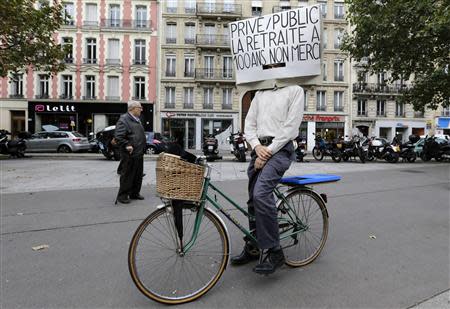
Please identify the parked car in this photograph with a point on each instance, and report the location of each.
(59, 141)
(156, 143)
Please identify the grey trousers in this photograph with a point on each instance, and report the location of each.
(261, 202)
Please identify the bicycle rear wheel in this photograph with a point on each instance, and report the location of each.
(308, 237)
(166, 275)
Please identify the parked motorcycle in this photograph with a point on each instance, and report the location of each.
(323, 148)
(300, 152)
(105, 142)
(15, 148)
(354, 148)
(210, 148)
(238, 145)
(433, 149)
(407, 149)
(382, 150)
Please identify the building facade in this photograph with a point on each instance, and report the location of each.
(113, 57)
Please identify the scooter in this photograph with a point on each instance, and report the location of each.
(323, 148)
(432, 149)
(378, 150)
(238, 146)
(106, 144)
(210, 148)
(355, 148)
(15, 148)
(407, 149)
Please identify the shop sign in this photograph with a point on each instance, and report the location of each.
(197, 115)
(40, 108)
(322, 118)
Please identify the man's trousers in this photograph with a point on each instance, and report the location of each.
(131, 176)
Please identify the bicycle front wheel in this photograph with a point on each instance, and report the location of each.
(166, 274)
(303, 216)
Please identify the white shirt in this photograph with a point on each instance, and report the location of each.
(276, 113)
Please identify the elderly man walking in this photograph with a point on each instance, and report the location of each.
(131, 139)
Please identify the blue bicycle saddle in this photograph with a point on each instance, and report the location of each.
(309, 179)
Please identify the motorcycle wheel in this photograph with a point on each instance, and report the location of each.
(317, 154)
(20, 152)
(336, 156)
(370, 157)
(438, 158)
(411, 157)
(242, 157)
(362, 156)
(345, 157)
(425, 157)
(392, 157)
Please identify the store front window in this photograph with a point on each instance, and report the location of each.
(330, 130)
(180, 130)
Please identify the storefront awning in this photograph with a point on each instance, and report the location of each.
(443, 123)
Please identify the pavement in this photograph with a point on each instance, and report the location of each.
(67, 204)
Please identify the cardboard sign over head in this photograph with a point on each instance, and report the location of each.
(277, 46)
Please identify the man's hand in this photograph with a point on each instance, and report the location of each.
(130, 149)
(259, 163)
(263, 152)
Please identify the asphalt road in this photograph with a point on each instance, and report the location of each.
(85, 265)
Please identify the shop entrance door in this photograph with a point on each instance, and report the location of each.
(182, 131)
(400, 133)
(17, 123)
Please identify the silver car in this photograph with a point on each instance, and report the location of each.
(59, 141)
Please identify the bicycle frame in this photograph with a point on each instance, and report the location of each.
(206, 197)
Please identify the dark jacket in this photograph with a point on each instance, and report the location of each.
(130, 132)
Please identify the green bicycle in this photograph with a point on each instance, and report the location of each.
(170, 270)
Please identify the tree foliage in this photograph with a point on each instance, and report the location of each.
(410, 39)
(26, 36)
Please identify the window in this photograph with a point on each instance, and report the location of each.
(171, 33)
(339, 10)
(446, 111)
(172, 6)
(90, 87)
(324, 72)
(323, 8)
(68, 13)
(189, 66)
(139, 88)
(210, 33)
(227, 67)
(209, 66)
(339, 101)
(338, 70)
(171, 65)
(227, 102)
(91, 51)
(43, 86)
(399, 109)
(113, 51)
(67, 43)
(189, 35)
(321, 100)
(141, 16)
(302, 3)
(381, 111)
(114, 15)
(228, 6)
(208, 98)
(362, 111)
(188, 97)
(139, 51)
(338, 38)
(285, 5)
(381, 78)
(226, 35)
(209, 6)
(256, 11)
(91, 15)
(17, 85)
(67, 85)
(189, 6)
(325, 38)
(170, 97)
(112, 92)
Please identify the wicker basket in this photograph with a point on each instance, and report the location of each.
(178, 179)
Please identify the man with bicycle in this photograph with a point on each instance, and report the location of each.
(271, 125)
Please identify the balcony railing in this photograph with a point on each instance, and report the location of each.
(210, 74)
(90, 23)
(69, 22)
(171, 40)
(89, 97)
(320, 108)
(419, 114)
(113, 61)
(227, 106)
(400, 114)
(42, 96)
(16, 96)
(171, 10)
(226, 9)
(213, 40)
(362, 114)
(169, 105)
(378, 88)
(170, 73)
(126, 24)
(339, 16)
(188, 105)
(208, 106)
(338, 108)
(139, 98)
(66, 97)
(139, 61)
(381, 114)
(68, 60)
(112, 98)
(189, 40)
(89, 61)
(189, 74)
(190, 10)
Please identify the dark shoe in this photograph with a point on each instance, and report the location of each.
(250, 253)
(124, 200)
(272, 260)
(137, 197)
